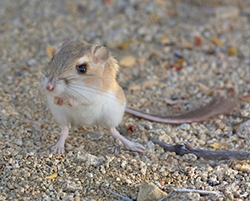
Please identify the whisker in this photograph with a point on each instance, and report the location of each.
(69, 94)
(88, 87)
(95, 88)
(101, 94)
(79, 93)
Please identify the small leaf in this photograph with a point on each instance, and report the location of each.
(215, 145)
(154, 54)
(180, 62)
(164, 39)
(51, 176)
(235, 127)
(170, 13)
(197, 41)
(154, 18)
(131, 128)
(50, 51)
(217, 41)
(107, 2)
(150, 83)
(126, 44)
(219, 146)
(127, 61)
(188, 46)
(141, 60)
(134, 87)
(176, 67)
(231, 51)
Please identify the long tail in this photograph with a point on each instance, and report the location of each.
(218, 105)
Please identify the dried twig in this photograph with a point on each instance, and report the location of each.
(184, 190)
(118, 195)
(206, 154)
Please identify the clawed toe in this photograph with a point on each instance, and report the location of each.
(58, 150)
(132, 145)
(137, 147)
(71, 102)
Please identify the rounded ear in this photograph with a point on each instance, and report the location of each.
(100, 54)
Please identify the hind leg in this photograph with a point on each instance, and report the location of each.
(131, 145)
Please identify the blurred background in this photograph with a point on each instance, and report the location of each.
(173, 55)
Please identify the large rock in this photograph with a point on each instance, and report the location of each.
(150, 192)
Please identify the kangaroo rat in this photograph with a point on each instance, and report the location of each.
(81, 88)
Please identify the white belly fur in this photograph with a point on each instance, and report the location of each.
(103, 110)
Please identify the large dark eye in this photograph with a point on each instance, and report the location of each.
(82, 69)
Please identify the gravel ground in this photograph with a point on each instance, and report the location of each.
(215, 43)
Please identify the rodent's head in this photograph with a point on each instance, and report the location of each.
(77, 65)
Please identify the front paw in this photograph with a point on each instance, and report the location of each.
(58, 101)
(71, 102)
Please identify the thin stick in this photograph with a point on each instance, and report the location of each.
(184, 190)
(118, 195)
(201, 192)
(203, 153)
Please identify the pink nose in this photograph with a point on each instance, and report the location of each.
(50, 86)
